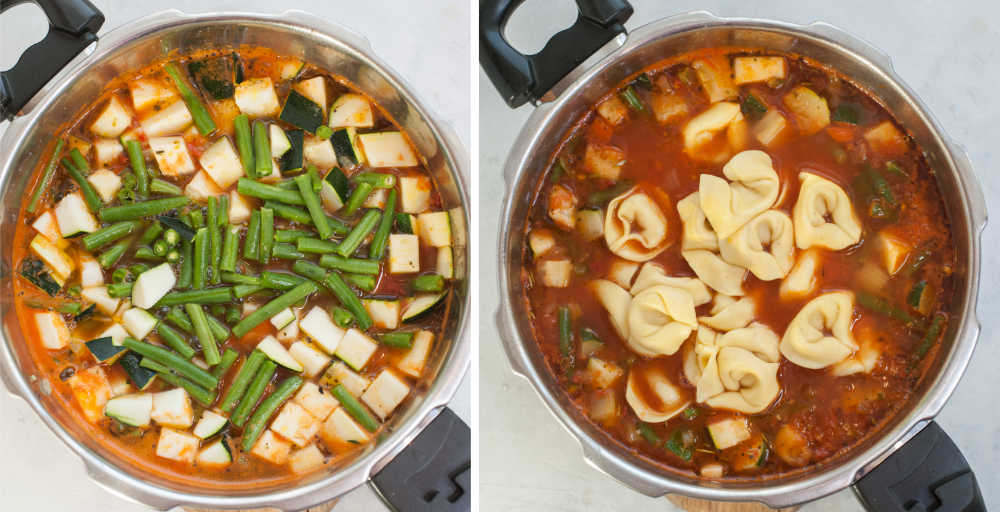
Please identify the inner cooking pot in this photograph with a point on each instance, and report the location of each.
(910, 460)
(444, 447)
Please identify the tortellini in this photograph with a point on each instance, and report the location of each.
(737, 370)
(866, 357)
(700, 248)
(823, 215)
(764, 246)
(802, 280)
(669, 399)
(700, 133)
(820, 334)
(634, 226)
(729, 313)
(752, 188)
(652, 274)
(696, 231)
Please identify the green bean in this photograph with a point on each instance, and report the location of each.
(931, 337)
(342, 317)
(262, 149)
(397, 339)
(251, 245)
(184, 276)
(200, 394)
(219, 328)
(266, 234)
(428, 283)
(202, 120)
(112, 254)
(209, 347)
(290, 235)
(376, 249)
(352, 265)
(632, 99)
(364, 282)
(145, 253)
(197, 219)
(339, 288)
(565, 331)
(376, 179)
(270, 309)
(338, 227)
(309, 269)
(243, 377)
(199, 276)
(289, 212)
(280, 281)
(257, 386)
(171, 237)
(109, 234)
(218, 295)
(315, 246)
(251, 188)
(312, 202)
(119, 290)
(142, 209)
(175, 340)
(214, 238)
(228, 358)
(354, 408)
(880, 305)
(230, 249)
(237, 278)
(358, 234)
(315, 180)
(158, 186)
(174, 361)
(233, 314)
(258, 422)
(134, 150)
(243, 290)
(47, 175)
(94, 202)
(151, 233)
(286, 252)
(79, 160)
(357, 198)
(160, 248)
(244, 143)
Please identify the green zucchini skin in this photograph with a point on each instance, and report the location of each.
(338, 180)
(345, 146)
(215, 75)
(292, 159)
(140, 377)
(34, 271)
(104, 350)
(301, 112)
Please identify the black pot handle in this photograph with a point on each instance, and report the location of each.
(433, 473)
(73, 25)
(927, 474)
(521, 78)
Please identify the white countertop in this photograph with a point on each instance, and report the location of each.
(947, 54)
(37, 471)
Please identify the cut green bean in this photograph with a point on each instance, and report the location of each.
(352, 265)
(291, 213)
(357, 198)
(270, 309)
(79, 160)
(244, 143)
(880, 305)
(253, 393)
(218, 295)
(249, 187)
(199, 275)
(931, 337)
(197, 219)
(343, 293)
(428, 283)
(46, 180)
(263, 165)
(175, 340)
(354, 408)
(178, 317)
(112, 254)
(159, 186)
(219, 328)
(230, 250)
(286, 252)
(173, 361)
(184, 275)
(290, 235)
(565, 332)
(251, 245)
(209, 347)
(244, 290)
(228, 358)
(202, 120)
(145, 253)
(90, 196)
(280, 281)
(239, 386)
(376, 179)
(200, 394)
(266, 234)
(315, 246)
(134, 150)
(312, 202)
(237, 278)
(377, 247)
(233, 314)
(160, 248)
(139, 210)
(357, 235)
(258, 422)
(109, 234)
(214, 239)
(342, 317)
(309, 270)
(397, 339)
(364, 282)
(151, 233)
(119, 290)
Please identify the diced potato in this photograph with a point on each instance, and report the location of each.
(340, 428)
(222, 163)
(384, 313)
(99, 296)
(385, 393)
(885, 139)
(435, 228)
(113, 120)
(810, 109)
(47, 226)
(387, 149)
(240, 207)
(791, 446)
(256, 97)
(314, 89)
(90, 271)
(871, 277)
(116, 332)
(171, 154)
(602, 373)
(613, 110)
(148, 92)
(106, 183)
(79, 144)
(604, 161)
(716, 77)
(541, 241)
(173, 408)
(319, 152)
(622, 272)
(894, 252)
(92, 391)
(306, 459)
(169, 121)
(312, 359)
(318, 325)
(176, 445)
(770, 128)
(74, 217)
(758, 69)
(272, 448)
(316, 400)
(52, 330)
(668, 108)
(107, 151)
(356, 348)
(120, 386)
(729, 432)
(404, 254)
(415, 193)
(201, 187)
(562, 207)
(413, 362)
(590, 224)
(712, 470)
(339, 373)
(295, 424)
(604, 407)
(54, 257)
(555, 273)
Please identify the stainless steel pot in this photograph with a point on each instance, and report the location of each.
(328, 46)
(563, 99)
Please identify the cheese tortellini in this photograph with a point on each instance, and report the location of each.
(823, 215)
(764, 246)
(737, 370)
(802, 280)
(652, 274)
(729, 313)
(752, 188)
(700, 248)
(634, 226)
(701, 131)
(668, 400)
(820, 334)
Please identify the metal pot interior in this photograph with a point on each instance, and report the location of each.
(329, 47)
(845, 56)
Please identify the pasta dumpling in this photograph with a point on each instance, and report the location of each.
(802, 280)
(616, 301)
(764, 246)
(823, 215)
(701, 131)
(700, 249)
(696, 231)
(737, 370)
(634, 227)
(865, 358)
(820, 334)
(652, 274)
(752, 189)
(729, 313)
(668, 399)
(660, 318)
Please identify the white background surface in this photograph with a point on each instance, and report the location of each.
(946, 51)
(39, 473)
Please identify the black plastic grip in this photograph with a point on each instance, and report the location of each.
(433, 473)
(73, 25)
(927, 474)
(521, 78)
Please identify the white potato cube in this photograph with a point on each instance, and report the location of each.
(404, 254)
(74, 217)
(106, 183)
(47, 226)
(176, 445)
(318, 325)
(555, 273)
(113, 120)
(314, 89)
(172, 120)
(92, 391)
(52, 329)
(99, 296)
(319, 152)
(107, 151)
(385, 393)
(54, 257)
(240, 207)
(272, 448)
(356, 348)
(173, 409)
(148, 92)
(602, 373)
(413, 362)
(758, 69)
(435, 228)
(316, 400)
(340, 428)
(91, 273)
(387, 149)
(384, 313)
(312, 359)
(256, 97)
(415, 193)
(306, 459)
(171, 154)
(116, 332)
(222, 163)
(152, 285)
(295, 424)
(201, 187)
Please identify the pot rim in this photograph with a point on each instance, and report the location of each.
(775, 494)
(107, 474)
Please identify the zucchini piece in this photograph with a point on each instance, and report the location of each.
(291, 160)
(318, 325)
(279, 141)
(415, 193)
(314, 89)
(387, 149)
(37, 274)
(140, 377)
(406, 223)
(256, 97)
(435, 228)
(336, 189)
(446, 263)
(421, 304)
(106, 183)
(404, 254)
(413, 362)
(55, 258)
(74, 217)
(182, 229)
(283, 318)
(139, 322)
(301, 112)
(276, 352)
(345, 145)
(215, 454)
(211, 423)
(921, 297)
(385, 394)
(751, 456)
(312, 359)
(215, 75)
(52, 329)
(134, 410)
(105, 350)
(152, 285)
(729, 432)
(355, 348)
(291, 69)
(384, 312)
(351, 110)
